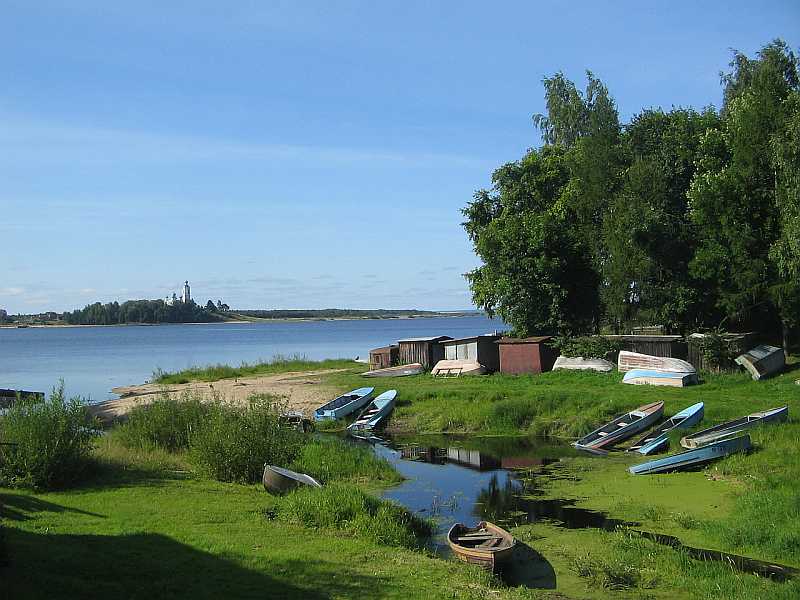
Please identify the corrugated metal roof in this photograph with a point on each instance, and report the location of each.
(384, 348)
(473, 337)
(527, 340)
(436, 338)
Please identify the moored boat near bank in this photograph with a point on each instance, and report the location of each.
(762, 361)
(658, 439)
(344, 405)
(622, 427)
(692, 458)
(399, 371)
(665, 378)
(486, 545)
(628, 361)
(375, 412)
(278, 480)
(579, 363)
(732, 428)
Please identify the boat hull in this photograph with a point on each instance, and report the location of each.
(622, 428)
(277, 480)
(489, 558)
(375, 412)
(401, 371)
(688, 417)
(695, 457)
(457, 368)
(344, 405)
(583, 364)
(762, 361)
(732, 428)
(665, 378)
(629, 361)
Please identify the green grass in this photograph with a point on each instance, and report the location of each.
(332, 459)
(348, 508)
(278, 364)
(142, 529)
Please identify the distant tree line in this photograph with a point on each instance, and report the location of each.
(140, 311)
(689, 219)
(332, 313)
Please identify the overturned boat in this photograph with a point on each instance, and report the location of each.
(399, 371)
(278, 480)
(762, 361)
(628, 361)
(651, 377)
(457, 367)
(579, 363)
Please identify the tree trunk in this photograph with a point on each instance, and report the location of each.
(785, 338)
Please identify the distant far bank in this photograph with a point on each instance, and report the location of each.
(246, 316)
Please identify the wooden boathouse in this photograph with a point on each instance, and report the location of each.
(667, 346)
(424, 350)
(520, 356)
(479, 348)
(381, 358)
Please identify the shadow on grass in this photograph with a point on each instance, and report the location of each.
(19, 507)
(530, 569)
(154, 566)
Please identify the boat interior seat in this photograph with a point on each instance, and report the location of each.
(623, 424)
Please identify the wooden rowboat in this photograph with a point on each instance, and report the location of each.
(583, 364)
(457, 367)
(732, 428)
(692, 458)
(762, 361)
(375, 412)
(659, 437)
(633, 360)
(486, 545)
(401, 371)
(279, 481)
(650, 377)
(622, 427)
(344, 405)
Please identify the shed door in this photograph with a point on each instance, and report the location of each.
(450, 352)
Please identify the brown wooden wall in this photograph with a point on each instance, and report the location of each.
(517, 359)
(425, 353)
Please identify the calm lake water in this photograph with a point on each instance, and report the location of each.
(92, 360)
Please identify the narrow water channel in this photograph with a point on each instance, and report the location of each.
(468, 479)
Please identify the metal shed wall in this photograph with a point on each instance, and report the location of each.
(482, 349)
(519, 356)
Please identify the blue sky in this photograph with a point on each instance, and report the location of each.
(302, 154)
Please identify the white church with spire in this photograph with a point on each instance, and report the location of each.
(186, 296)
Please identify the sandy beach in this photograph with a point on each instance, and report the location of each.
(303, 391)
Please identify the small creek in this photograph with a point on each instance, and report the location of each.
(467, 479)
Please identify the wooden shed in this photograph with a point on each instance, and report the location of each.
(480, 348)
(668, 346)
(8, 397)
(424, 350)
(738, 343)
(526, 355)
(381, 358)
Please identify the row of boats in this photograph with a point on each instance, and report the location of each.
(373, 409)
(703, 446)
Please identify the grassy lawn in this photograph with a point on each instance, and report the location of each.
(277, 365)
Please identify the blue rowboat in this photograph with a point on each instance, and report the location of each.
(622, 427)
(695, 457)
(731, 428)
(344, 405)
(658, 439)
(654, 377)
(375, 412)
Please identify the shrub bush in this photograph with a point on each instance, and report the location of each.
(234, 442)
(165, 423)
(334, 459)
(52, 441)
(595, 346)
(346, 507)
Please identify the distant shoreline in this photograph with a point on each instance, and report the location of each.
(250, 321)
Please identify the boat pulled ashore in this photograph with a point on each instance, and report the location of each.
(278, 480)
(622, 427)
(375, 412)
(658, 439)
(579, 363)
(344, 405)
(627, 361)
(486, 545)
(732, 428)
(398, 371)
(653, 377)
(695, 457)
(762, 361)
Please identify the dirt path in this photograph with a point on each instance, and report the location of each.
(303, 391)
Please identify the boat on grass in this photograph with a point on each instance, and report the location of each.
(375, 412)
(622, 427)
(628, 361)
(652, 377)
(278, 480)
(732, 428)
(579, 363)
(399, 371)
(344, 405)
(762, 361)
(457, 367)
(486, 545)
(658, 439)
(692, 458)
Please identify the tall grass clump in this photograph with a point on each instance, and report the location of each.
(49, 441)
(235, 441)
(332, 459)
(166, 423)
(348, 508)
